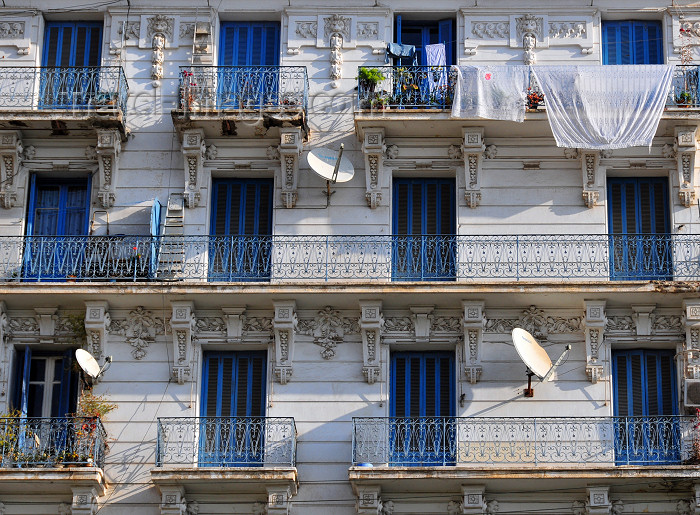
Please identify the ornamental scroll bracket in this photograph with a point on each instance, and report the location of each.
(691, 346)
(182, 323)
(594, 329)
(97, 322)
(10, 152)
(686, 152)
(109, 145)
(371, 323)
(193, 148)
(473, 153)
(591, 177)
(373, 149)
(284, 325)
(473, 323)
(290, 149)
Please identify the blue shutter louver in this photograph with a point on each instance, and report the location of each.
(632, 42)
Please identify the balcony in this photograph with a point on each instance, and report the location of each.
(51, 454)
(63, 101)
(245, 454)
(490, 450)
(243, 101)
(343, 259)
(425, 94)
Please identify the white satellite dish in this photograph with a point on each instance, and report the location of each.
(535, 358)
(89, 364)
(331, 166)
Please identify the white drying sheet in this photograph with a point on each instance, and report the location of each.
(604, 107)
(493, 92)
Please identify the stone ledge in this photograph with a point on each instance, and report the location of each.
(225, 479)
(49, 480)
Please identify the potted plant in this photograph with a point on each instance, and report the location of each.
(88, 432)
(684, 98)
(381, 102)
(534, 100)
(369, 78)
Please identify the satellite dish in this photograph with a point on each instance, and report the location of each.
(535, 358)
(331, 166)
(89, 364)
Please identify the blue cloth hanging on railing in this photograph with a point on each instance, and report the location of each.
(399, 51)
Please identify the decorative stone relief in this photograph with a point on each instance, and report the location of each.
(367, 30)
(392, 152)
(172, 500)
(473, 322)
(473, 501)
(272, 153)
(686, 149)
(336, 59)
(84, 501)
(371, 323)
(490, 30)
(399, 324)
(278, 500)
(336, 24)
(211, 152)
(15, 33)
(131, 30)
(139, 330)
(161, 24)
(109, 145)
(536, 322)
(591, 177)
(193, 148)
(422, 317)
(182, 323)
(567, 29)
(157, 57)
(373, 149)
(234, 317)
(642, 318)
(530, 27)
(46, 319)
(594, 330)
(328, 330)
(306, 29)
(571, 153)
(284, 326)
(598, 501)
(368, 500)
(691, 345)
(290, 149)
(10, 153)
(186, 30)
(454, 152)
(491, 152)
(11, 30)
(97, 321)
(472, 153)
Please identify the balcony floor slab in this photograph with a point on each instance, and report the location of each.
(50, 480)
(252, 480)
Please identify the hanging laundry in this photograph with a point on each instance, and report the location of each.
(399, 51)
(437, 73)
(493, 92)
(604, 107)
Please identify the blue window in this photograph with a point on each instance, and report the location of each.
(71, 53)
(422, 406)
(233, 402)
(639, 227)
(422, 33)
(241, 225)
(424, 228)
(645, 399)
(632, 42)
(46, 384)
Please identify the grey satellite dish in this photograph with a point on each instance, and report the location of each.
(89, 364)
(535, 358)
(331, 166)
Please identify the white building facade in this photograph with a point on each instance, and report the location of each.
(285, 345)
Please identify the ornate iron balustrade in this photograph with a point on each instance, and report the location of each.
(226, 441)
(684, 91)
(52, 442)
(256, 88)
(534, 441)
(341, 258)
(425, 87)
(100, 88)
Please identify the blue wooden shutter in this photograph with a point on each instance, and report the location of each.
(72, 44)
(233, 384)
(445, 36)
(68, 396)
(644, 383)
(398, 28)
(424, 206)
(632, 42)
(242, 207)
(638, 205)
(422, 384)
(58, 208)
(250, 44)
(26, 366)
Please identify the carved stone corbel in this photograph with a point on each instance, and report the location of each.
(10, 152)
(46, 318)
(284, 324)
(109, 145)
(290, 149)
(373, 150)
(598, 500)
(686, 149)
(594, 329)
(422, 316)
(278, 500)
(193, 148)
(473, 499)
(691, 346)
(368, 500)
(97, 321)
(84, 501)
(172, 500)
(473, 324)
(182, 323)
(371, 323)
(472, 153)
(234, 322)
(590, 173)
(642, 318)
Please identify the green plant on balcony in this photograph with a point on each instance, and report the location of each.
(9, 432)
(684, 98)
(369, 78)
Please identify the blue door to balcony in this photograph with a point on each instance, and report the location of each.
(69, 76)
(424, 242)
(241, 228)
(640, 245)
(57, 222)
(249, 58)
(422, 427)
(645, 403)
(232, 431)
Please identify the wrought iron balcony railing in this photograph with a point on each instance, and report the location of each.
(400, 87)
(101, 88)
(52, 442)
(226, 442)
(244, 88)
(464, 258)
(565, 442)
